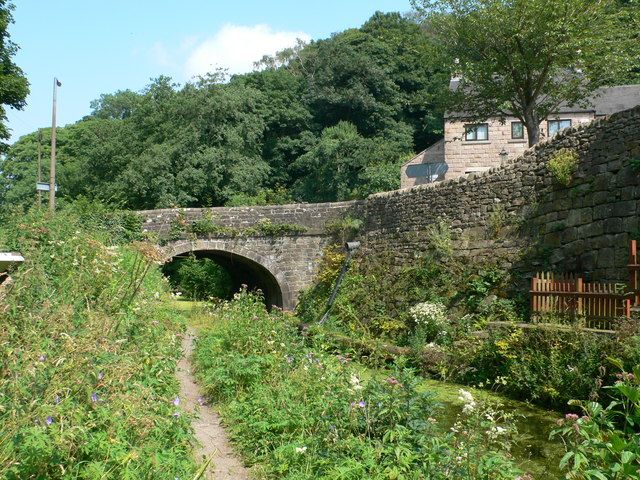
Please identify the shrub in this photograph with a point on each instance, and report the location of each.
(603, 443)
(431, 321)
(199, 279)
(345, 229)
(302, 413)
(562, 165)
(88, 354)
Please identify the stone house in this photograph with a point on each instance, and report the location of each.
(476, 147)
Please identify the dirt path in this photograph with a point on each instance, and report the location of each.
(212, 437)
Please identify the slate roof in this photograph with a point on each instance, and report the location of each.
(604, 101)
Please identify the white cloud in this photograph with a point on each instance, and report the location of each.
(161, 55)
(237, 47)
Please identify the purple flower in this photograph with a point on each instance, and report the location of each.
(176, 401)
(571, 416)
(49, 420)
(362, 404)
(176, 414)
(289, 359)
(94, 397)
(42, 358)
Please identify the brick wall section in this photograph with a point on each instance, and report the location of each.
(314, 216)
(585, 227)
(462, 155)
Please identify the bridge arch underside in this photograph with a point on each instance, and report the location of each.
(246, 268)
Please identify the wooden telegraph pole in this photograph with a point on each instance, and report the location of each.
(52, 171)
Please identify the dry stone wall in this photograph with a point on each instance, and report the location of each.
(518, 214)
(313, 216)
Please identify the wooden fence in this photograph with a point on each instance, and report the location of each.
(601, 305)
(634, 272)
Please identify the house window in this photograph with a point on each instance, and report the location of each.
(517, 130)
(554, 126)
(432, 172)
(476, 132)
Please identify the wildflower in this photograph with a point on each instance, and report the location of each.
(176, 401)
(176, 414)
(100, 376)
(301, 449)
(42, 358)
(57, 399)
(94, 397)
(469, 402)
(393, 381)
(571, 416)
(49, 420)
(355, 382)
(201, 401)
(289, 359)
(362, 404)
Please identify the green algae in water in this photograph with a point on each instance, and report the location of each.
(533, 452)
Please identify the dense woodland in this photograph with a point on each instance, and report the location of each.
(330, 120)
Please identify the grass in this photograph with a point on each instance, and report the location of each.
(533, 451)
(88, 348)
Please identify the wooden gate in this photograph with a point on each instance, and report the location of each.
(634, 273)
(601, 305)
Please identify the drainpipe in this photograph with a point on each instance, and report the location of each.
(350, 247)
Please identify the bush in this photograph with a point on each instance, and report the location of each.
(301, 413)
(603, 443)
(562, 165)
(431, 321)
(88, 354)
(200, 279)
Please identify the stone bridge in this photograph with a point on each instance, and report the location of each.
(281, 262)
(517, 215)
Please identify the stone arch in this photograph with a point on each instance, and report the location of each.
(275, 286)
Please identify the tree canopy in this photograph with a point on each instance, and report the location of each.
(14, 87)
(526, 57)
(329, 120)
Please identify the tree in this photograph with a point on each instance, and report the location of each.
(526, 57)
(14, 87)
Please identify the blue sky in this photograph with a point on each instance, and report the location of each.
(97, 47)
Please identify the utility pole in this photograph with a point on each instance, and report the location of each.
(52, 170)
(39, 167)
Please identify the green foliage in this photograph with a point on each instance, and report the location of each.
(521, 58)
(635, 164)
(603, 442)
(205, 226)
(563, 165)
(14, 85)
(301, 413)
(88, 353)
(268, 228)
(331, 119)
(344, 229)
(439, 238)
(200, 279)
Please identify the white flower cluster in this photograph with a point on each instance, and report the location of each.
(469, 401)
(428, 314)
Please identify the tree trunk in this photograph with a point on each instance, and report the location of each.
(532, 124)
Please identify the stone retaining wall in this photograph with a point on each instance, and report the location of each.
(519, 214)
